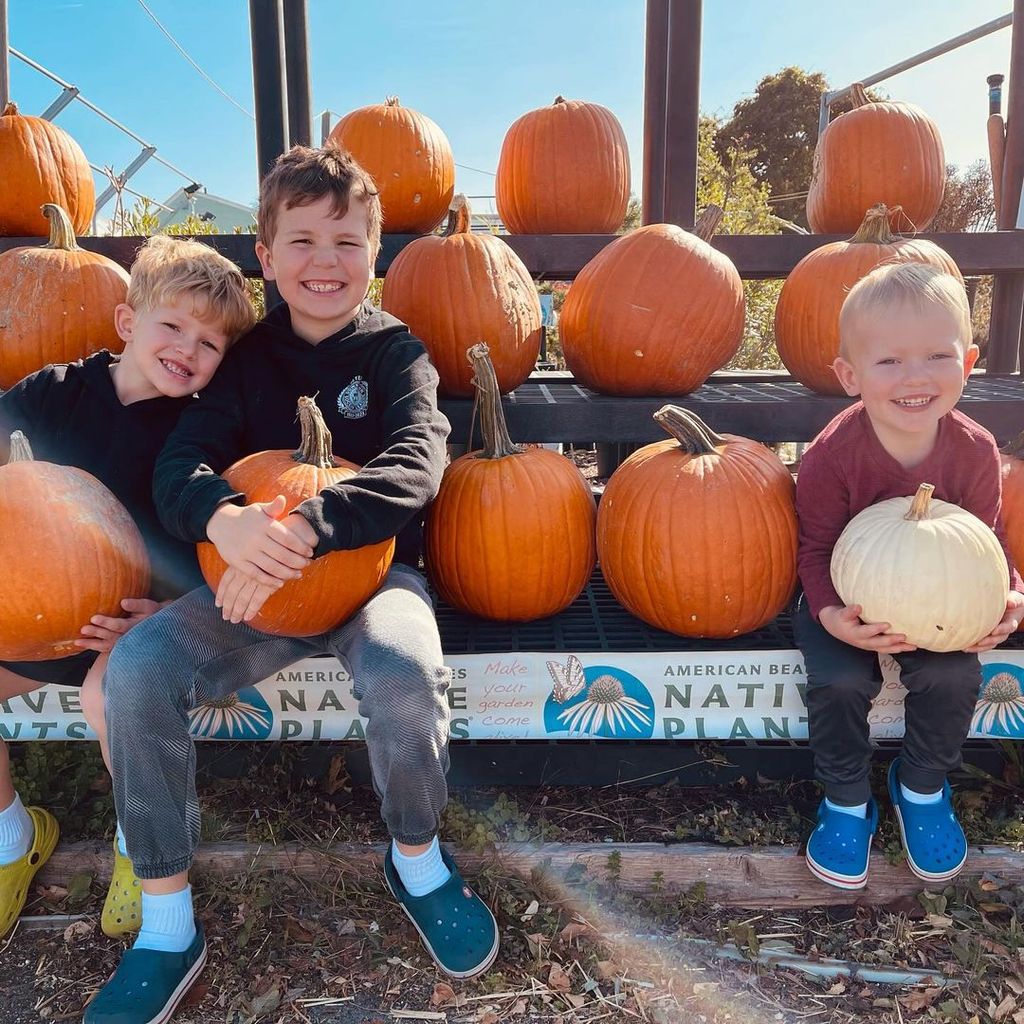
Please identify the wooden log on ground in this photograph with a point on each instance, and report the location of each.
(740, 876)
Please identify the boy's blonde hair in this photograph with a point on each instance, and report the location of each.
(166, 269)
(917, 285)
(303, 175)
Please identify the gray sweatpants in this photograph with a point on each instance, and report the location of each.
(187, 655)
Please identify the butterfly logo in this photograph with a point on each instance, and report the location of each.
(569, 679)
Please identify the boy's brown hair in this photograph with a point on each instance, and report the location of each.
(166, 269)
(303, 175)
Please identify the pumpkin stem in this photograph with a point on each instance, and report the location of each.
(1015, 448)
(859, 95)
(62, 232)
(11, 110)
(695, 437)
(497, 443)
(21, 450)
(559, 99)
(459, 217)
(315, 448)
(919, 506)
(391, 101)
(708, 221)
(876, 227)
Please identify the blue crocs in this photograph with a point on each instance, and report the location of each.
(456, 926)
(147, 985)
(839, 848)
(932, 837)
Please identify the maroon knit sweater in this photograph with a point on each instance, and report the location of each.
(846, 469)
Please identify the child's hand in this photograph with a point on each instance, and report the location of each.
(101, 632)
(240, 596)
(1007, 625)
(844, 624)
(252, 540)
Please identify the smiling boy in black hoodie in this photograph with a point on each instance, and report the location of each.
(319, 234)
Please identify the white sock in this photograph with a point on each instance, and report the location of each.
(168, 923)
(857, 810)
(423, 873)
(920, 798)
(16, 832)
(119, 835)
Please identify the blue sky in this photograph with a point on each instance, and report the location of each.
(472, 65)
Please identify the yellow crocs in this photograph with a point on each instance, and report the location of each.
(122, 909)
(15, 878)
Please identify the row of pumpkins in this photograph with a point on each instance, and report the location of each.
(696, 535)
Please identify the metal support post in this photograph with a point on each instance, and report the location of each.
(5, 72)
(682, 114)
(69, 93)
(124, 177)
(296, 52)
(265, 28)
(325, 126)
(655, 92)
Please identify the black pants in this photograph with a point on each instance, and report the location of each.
(942, 690)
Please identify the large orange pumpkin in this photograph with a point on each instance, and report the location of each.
(332, 587)
(879, 152)
(56, 302)
(457, 288)
(656, 312)
(510, 535)
(41, 164)
(70, 551)
(409, 158)
(697, 535)
(1012, 512)
(807, 313)
(563, 169)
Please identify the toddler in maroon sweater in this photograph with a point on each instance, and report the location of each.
(906, 350)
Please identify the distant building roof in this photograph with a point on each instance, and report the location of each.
(224, 214)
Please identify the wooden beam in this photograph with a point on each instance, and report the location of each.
(296, 59)
(655, 91)
(739, 876)
(682, 111)
(268, 81)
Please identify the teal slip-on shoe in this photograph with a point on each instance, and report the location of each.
(839, 848)
(456, 926)
(147, 985)
(932, 837)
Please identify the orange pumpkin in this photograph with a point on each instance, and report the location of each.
(563, 169)
(409, 158)
(459, 287)
(1012, 512)
(876, 153)
(70, 551)
(807, 313)
(41, 164)
(697, 535)
(510, 535)
(56, 302)
(628, 330)
(332, 587)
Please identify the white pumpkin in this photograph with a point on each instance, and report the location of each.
(931, 570)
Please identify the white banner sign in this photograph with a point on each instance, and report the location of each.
(632, 696)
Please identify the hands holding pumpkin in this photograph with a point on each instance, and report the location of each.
(101, 632)
(844, 624)
(1007, 625)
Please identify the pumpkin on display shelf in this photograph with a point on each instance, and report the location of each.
(56, 302)
(70, 551)
(807, 313)
(41, 164)
(458, 287)
(510, 535)
(563, 169)
(628, 331)
(879, 152)
(696, 535)
(332, 587)
(409, 158)
(1012, 511)
(933, 571)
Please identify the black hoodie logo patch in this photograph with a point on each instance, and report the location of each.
(354, 399)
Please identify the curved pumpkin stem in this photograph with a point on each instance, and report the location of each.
(695, 437)
(315, 448)
(559, 99)
(11, 110)
(497, 443)
(62, 231)
(459, 217)
(1014, 448)
(876, 227)
(708, 222)
(859, 95)
(21, 450)
(391, 101)
(919, 505)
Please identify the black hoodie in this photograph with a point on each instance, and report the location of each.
(71, 415)
(377, 391)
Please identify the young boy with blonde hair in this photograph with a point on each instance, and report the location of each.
(110, 415)
(319, 234)
(906, 350)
